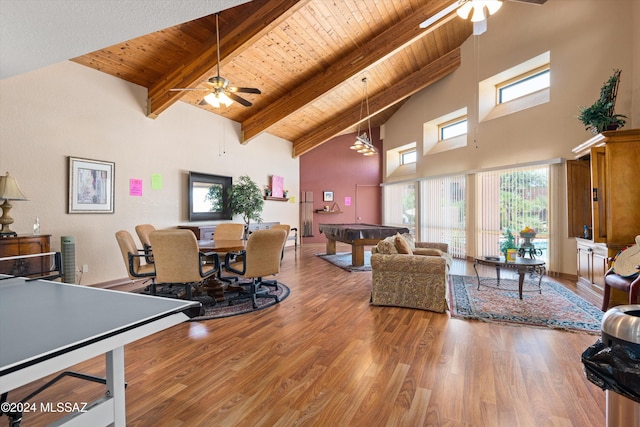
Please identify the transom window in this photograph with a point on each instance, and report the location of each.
(452, 128)
(408, 156)
(524, 84)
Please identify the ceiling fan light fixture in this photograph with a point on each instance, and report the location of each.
(481, 9)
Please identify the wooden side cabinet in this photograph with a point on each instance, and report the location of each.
(25, 245)
(593, 262)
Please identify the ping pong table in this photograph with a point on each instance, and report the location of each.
(47, 326)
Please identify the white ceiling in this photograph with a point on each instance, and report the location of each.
(37, 33)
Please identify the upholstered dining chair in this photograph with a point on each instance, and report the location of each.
(178, 260)
(630, 285)
(228, 231)
(260, 258)
(143, 231)
(131, 256)
(288, 229)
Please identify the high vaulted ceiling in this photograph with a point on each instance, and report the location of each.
(308, 58)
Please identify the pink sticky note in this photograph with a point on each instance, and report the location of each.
(135, 187)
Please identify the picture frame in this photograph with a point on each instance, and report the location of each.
(327, 196)
(91, 186)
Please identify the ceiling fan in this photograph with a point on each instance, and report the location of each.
(220, 91)
(476, 10)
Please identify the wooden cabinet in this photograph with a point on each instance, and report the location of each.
(25, 245)
(607, 199)
(593, 262)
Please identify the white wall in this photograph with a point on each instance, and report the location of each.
(587, 40)
(71, 110)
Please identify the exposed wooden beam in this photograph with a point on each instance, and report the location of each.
(403, 89)
(235, 37)
(378, 49)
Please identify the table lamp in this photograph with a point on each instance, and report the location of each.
(9, 190)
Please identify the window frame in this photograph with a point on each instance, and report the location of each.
(449, 123)
(519, 79)
(406, 152)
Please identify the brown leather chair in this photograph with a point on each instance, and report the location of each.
(143, 231)
(178, 260)
(631, 285)
(260, 258)
(131, 257)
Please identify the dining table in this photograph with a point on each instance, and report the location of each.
(214, 286)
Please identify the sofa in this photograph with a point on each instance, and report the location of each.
(410, 274)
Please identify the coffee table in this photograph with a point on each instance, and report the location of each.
(521, 265)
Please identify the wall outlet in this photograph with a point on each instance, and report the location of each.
(85, 268)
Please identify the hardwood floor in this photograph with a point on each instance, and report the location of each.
(325, 357)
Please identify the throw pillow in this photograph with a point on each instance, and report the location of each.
(402, 246)
(387, 246)
(410, 239)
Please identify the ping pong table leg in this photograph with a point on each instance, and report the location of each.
(115, 384)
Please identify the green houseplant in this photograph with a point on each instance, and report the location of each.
(245, 198)
(600, 116)
(508, 242)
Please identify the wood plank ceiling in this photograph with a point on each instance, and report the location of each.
(308, 58)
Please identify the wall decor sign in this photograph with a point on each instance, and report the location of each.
(91, 185)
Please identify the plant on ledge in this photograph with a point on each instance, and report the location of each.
(245, 198)
(600, 116)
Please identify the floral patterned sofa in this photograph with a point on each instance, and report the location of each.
(410, 274)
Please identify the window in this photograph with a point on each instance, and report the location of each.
(453, 128)
(400, 205)
(512, 198)
(443, 212)
(409, 156)
(524, 85)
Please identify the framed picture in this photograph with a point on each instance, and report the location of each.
(91, 184)
(327, 196)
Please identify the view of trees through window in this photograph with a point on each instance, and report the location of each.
(513, 199)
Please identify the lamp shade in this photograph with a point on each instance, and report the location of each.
(9, 189)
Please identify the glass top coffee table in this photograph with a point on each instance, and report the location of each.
(521, 265)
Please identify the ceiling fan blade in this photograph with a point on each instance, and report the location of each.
(244, 90)
(239, 99)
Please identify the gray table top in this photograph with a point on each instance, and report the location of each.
(41, 319)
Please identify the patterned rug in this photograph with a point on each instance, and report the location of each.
(343, 260)
(556, 307)
(217, 309)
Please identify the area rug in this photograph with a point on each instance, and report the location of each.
(556, 307)
(217, 309)
(343, 260)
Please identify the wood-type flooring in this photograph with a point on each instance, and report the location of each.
(326, 357)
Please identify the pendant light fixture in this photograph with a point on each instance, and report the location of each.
(363, 143)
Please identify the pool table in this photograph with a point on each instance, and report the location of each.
(358, 236)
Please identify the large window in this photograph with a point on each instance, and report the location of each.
(512, 198)
(442, 212)
(400, 205)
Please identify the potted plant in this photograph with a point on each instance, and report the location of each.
(508, 242)
(245, 198)
(600, 116)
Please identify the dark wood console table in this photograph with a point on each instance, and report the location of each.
(25, 245)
